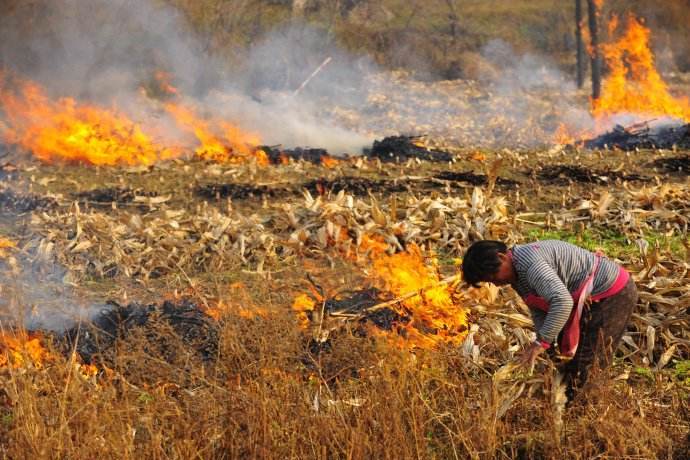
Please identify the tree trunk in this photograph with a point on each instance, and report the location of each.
(595, 55)
(580, 47)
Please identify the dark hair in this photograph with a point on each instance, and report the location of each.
(481, 260)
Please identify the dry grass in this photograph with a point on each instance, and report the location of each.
(271, 393)
(267, 396)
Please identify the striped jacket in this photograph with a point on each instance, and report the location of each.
(552, 270)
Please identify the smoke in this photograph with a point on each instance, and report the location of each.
(106, 51)
(517, 101)
(532, 93)
(37, 295)
(291, 81)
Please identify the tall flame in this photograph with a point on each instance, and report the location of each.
(68, 130)
(435, 315)
(65, 129)
(634, 84)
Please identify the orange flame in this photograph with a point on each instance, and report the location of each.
(6, 246)
(329, 161)
(563, 136)
(163, 80)
(239, 302)
(303, 304)
(435, 315)
(21, 350)
(634, 84)
(67, 130)
(219, 140)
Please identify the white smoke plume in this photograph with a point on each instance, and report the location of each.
(37, 295)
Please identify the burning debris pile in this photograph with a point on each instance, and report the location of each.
(65, 129)
(171, 331)
(278, 155)
(643, 136)
(634, 85)
(632, 90)
(409, 300)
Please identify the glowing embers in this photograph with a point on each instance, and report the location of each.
(237, 301)
(407, 302)
(633, 84)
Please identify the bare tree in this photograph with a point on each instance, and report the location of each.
(579, 44)
(593, 8)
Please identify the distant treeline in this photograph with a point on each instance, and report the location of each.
(437, 38)
(440, 37)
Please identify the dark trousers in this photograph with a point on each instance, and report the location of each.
(601, 328)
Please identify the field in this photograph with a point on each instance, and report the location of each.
(235, 229)
(243, 241)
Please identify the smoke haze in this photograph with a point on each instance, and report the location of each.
(106, 51)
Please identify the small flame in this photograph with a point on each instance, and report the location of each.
(435, 314)
(562, 136)
(373, 245)
(164, 83)
(329, 161)
(218, 140)
(303, 305)
(634, 84)
(22, 349)
(239, 303)
(6, 246)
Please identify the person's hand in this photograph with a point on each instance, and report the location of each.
(527, 358)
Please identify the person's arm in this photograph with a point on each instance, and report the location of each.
(538, 317)
(548, 285)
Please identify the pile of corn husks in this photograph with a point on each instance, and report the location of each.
(166, 240)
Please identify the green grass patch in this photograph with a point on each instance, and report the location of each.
(644, 372)
(610, 241)
(682, 371)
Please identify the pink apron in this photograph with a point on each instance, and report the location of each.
(570, 335)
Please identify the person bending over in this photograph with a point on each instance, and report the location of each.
(579, 300)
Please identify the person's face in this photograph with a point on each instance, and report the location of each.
(506, 272)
